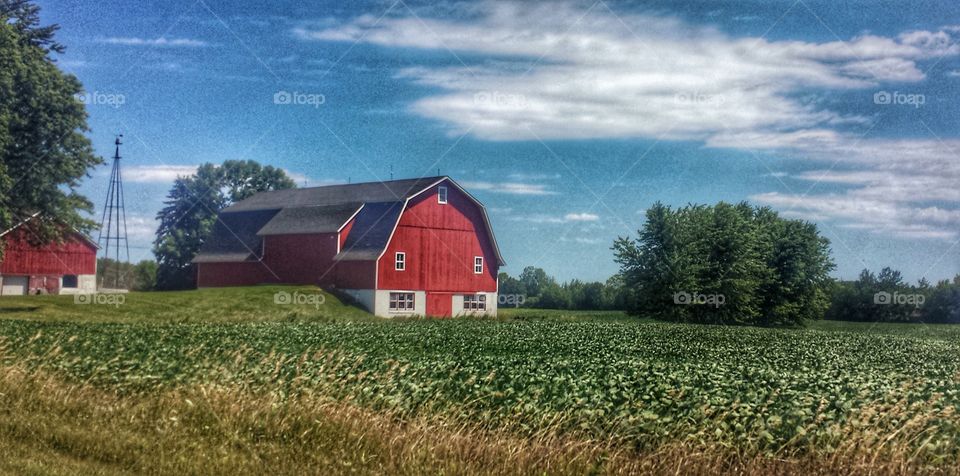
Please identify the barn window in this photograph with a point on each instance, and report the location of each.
(442, 195)
(401, 302)
(475, 302)
(69, 280)
(478, 265)
(401, 262)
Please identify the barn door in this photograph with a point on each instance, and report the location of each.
(439, 304)
(14, 286)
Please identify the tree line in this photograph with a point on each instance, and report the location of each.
(534, 288)
(885, 297)
(735, 264)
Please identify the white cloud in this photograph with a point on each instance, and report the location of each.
(512, 188)
(568, 218)
(157, 173)
(520, 176)
(583, 240)
(302, 180)
(158, 42)
(581, 217)
(651, 76)
(630, 75)
(141, 228)
(955, 73)
(903, 187)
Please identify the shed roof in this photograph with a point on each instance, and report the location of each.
(234, 237)
(313, 219)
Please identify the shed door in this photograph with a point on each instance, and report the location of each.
(439, 304)
(14, 286)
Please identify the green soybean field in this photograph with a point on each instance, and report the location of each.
(637, 383)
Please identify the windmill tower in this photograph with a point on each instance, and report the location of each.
(113, 223)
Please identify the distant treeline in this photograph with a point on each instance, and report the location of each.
(885, 297)
(534, 288)
(735, 264)
(135, 277)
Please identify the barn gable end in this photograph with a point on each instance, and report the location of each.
(30, 269)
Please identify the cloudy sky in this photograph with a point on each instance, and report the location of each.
(567, 119)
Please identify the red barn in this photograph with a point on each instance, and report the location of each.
(403, 247)
(69, 267)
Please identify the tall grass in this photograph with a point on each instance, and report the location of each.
(54, 425)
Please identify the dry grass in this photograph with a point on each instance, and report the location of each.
(50, 426)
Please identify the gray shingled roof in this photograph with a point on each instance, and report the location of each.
(371, 231)
(326, 219)
(395, 190)
(234, 237)
(237, 236)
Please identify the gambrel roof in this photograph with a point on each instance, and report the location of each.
(375, 208)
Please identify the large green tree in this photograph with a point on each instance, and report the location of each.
(43, 151)
(191, 208)
(729, 264)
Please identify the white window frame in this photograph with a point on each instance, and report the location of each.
(400, 261)
(402, 302)
(442, 195)
(478, 265)
(474, 302)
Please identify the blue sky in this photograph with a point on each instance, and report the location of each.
(566, 119)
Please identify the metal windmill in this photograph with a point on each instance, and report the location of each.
(114, 217)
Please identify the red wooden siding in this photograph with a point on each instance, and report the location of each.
(440, 242)
(301, 259)
(75, 255)
(247, 273)
(356, 274)
(292, 259)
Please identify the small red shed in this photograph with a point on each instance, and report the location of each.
(69, 267)
(402, 247)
